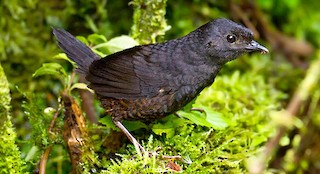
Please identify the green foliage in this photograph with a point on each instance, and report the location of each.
(113, 45)
(168, 125)
(21, 39)
(208, 117)
(40, 119)
(5, 96)
(10, 161)
(54, 69)
(26, 37)
(130, 125)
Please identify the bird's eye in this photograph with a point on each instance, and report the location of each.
(231, 38)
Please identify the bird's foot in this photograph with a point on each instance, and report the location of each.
(139, 149)
(197, 109)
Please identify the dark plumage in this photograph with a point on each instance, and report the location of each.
(151, 81)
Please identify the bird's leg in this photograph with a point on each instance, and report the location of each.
(140, 150)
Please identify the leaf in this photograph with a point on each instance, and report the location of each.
(195, 117)
(63, 56)
(189, 106)
(130, 125)
(258, 140)
(209, 119)
(96, 39)
(215, 118)
(81, 86)
(100, 53)
(134, 125)
(107, 121)
(168, 127)
(54, 69)
(118, 43)
(83, 40)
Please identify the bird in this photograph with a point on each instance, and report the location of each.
(149, 82)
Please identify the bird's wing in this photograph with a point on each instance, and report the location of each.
(142, 71)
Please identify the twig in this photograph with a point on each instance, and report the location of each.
(87, 105)
(54, 120)
(43, 160)
(44, 157)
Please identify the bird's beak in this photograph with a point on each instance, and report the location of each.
(255, 46)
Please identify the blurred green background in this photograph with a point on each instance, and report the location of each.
(289, 29)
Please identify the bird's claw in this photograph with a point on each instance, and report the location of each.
(197, 109)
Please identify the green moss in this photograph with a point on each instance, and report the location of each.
(10, 161)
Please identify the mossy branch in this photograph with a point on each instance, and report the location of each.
(149, 20)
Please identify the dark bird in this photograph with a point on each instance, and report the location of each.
(148, 82)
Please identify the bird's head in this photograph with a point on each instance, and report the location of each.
(225, 40)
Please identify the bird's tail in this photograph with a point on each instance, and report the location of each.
(78, 52)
